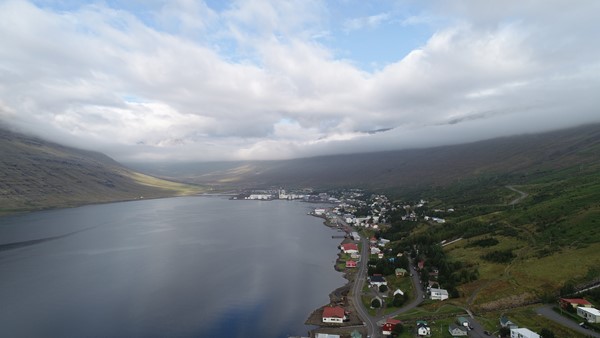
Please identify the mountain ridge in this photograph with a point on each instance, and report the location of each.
(402, 169)
(37, 174)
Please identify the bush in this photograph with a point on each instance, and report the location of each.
(375, 303)
(504, 256)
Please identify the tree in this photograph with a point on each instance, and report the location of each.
(546, 333)
(397, 330)
(375, 303)
(398, 300)
(504, 332)
(383, 288)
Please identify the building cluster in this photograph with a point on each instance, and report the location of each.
(583, 308)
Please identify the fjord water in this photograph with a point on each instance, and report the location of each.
(177, 267)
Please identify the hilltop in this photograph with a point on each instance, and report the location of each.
(37, 174)
(402, 170)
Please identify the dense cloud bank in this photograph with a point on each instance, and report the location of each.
(182, 80)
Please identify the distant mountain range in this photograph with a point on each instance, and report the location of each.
(36, 174)
(402, 169)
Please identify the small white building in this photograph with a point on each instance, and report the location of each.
(591, 315)
(319, 212)
(327, 335)
(377, 280)
(259, 197)
(523, 333)
(439, 294)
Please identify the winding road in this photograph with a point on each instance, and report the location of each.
(372, 322)
(522, 194)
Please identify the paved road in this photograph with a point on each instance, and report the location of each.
(418, 293)
(547, 312)
(359, 281)
(372, 322)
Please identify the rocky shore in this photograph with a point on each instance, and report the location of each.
(339, 297)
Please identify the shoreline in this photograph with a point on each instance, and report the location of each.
(338, 297)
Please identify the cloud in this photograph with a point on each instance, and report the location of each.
(370, 22)
(261, 79)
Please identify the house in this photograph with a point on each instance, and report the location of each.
(333, 314)
(420, 265)
(504, 322)
(383, 241)
(389, 326)
(523, 333)
(377, 280)
(350, 248)
(327, 335)
(319, 212)
(399, 292)
(573, 302)
(400, 272)
(375, 250)
(438, 294)
(350, 264)
(591, 315)
(355, 236)
(463, 321)
(380, 255)
(457, 330)
(423, 329)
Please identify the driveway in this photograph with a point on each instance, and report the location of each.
(546, 311)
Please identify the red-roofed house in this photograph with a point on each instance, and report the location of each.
(573, 302)
(333, 314)
(350, 264)
(420, 265)
(350, 248)
(389, 326)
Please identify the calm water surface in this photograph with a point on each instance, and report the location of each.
(183, 267)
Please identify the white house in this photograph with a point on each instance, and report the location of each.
(327, 335)
(319, 212)
(350, 248)
(423, 329)
(439, 294)
(592, 315)
(333, 314)
(398, 292)
(457, 331)
(375, 250)
(523, 333)
(377, 280)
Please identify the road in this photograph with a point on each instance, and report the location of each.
(521, 193)
(372, 322)
(418, 293)
(359, 282)
(546, 311)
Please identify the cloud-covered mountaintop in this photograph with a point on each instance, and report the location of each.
(193, 80)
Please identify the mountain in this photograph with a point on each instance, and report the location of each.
(36, 174)
(411, 169)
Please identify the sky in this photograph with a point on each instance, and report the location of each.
(184, 80)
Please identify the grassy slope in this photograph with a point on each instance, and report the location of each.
(553, 233)
(35, 174)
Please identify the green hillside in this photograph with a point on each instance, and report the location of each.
(36, 174)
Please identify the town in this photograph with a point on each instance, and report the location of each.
(391, 279)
